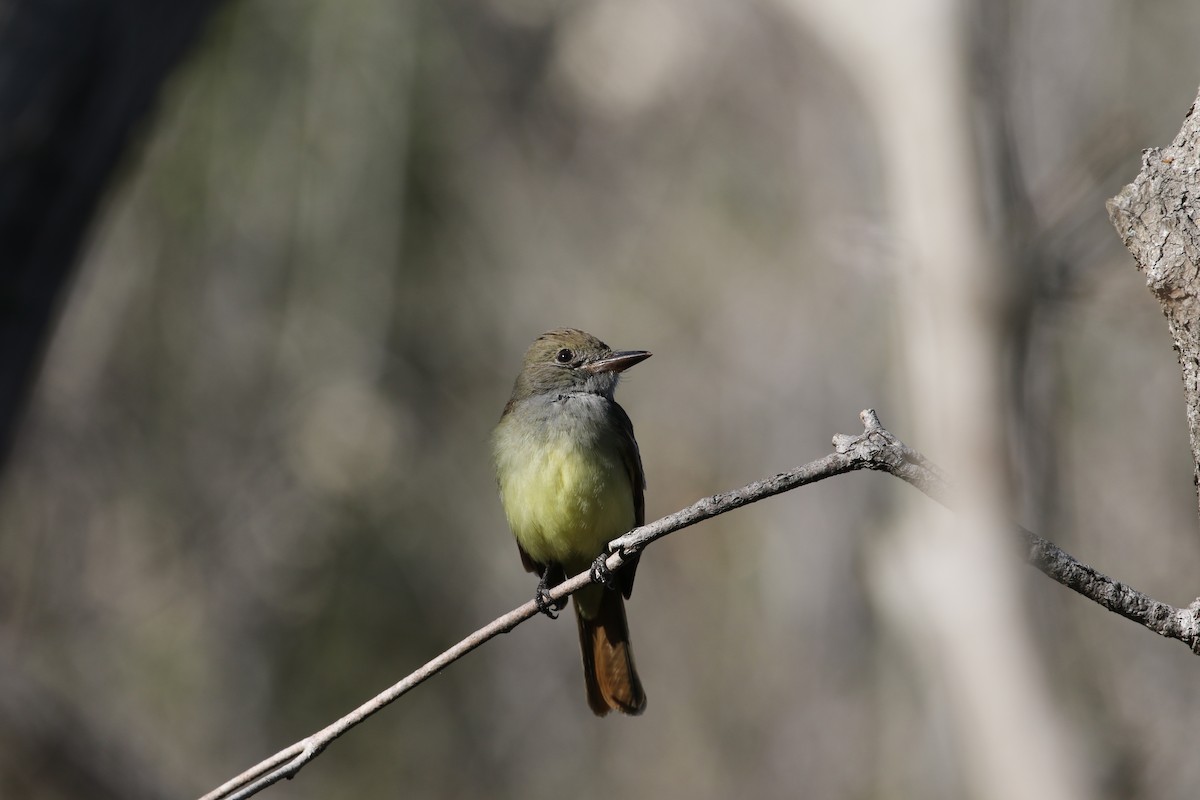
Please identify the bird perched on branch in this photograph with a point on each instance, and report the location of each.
(571, 480)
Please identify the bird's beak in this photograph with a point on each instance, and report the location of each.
(617, 362)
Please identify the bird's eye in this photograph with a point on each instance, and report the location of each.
(564, 356)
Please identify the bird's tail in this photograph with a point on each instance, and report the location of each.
(608, 671)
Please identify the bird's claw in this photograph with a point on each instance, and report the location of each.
(545, 605)
(601, 574)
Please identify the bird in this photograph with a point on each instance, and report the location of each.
(571, 480)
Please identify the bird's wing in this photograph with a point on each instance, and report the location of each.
(637, 482)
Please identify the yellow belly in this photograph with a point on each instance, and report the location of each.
(565, 502)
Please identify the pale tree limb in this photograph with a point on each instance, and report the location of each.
(958, 292)
(875, 448)
(1158, 218)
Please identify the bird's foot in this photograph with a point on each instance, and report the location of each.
(601, 574)
(551, 577)
(544, 604)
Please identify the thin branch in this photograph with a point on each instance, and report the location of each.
(880, 449)
(875, 448)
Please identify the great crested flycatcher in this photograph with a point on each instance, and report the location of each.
(571, 481)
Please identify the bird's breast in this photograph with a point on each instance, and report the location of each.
(563, 484)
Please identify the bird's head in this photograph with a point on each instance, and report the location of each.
(568, 360)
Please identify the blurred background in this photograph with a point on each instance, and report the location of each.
(252, 485)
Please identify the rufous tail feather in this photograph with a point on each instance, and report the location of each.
(608, 671)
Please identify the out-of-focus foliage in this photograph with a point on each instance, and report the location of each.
(254, 488)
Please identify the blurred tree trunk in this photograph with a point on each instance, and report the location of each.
(957, 300)
(75, 78)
